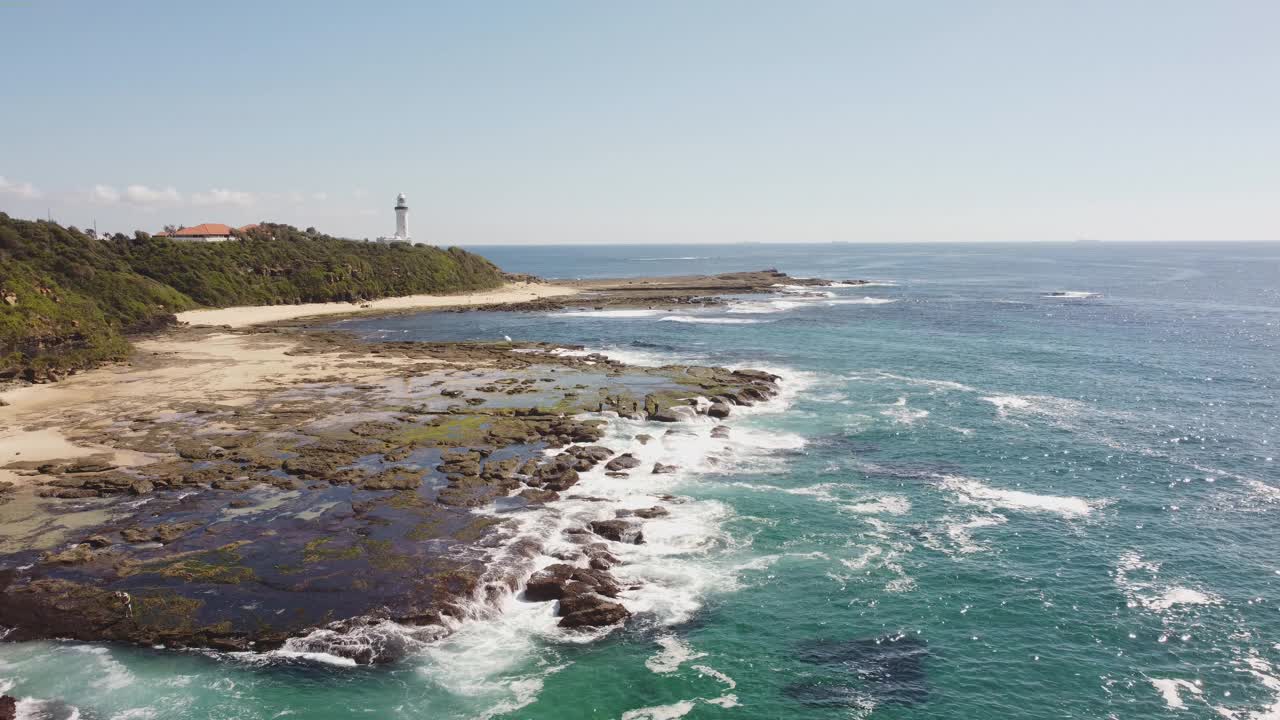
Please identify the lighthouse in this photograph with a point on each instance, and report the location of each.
(402, 220)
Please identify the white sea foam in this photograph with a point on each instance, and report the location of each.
(660, 712)
(821, 492)
(887, 505)
(1139, 581)
(674, 653)
(1059, 411)
(925, 382)
(811, 291)
(728, 700)
(111, 675)
(626, 314)
(1266, 674)
(795, 301)
(961, 532)
(702, 319)
(975, 492)
(318, 657)
(668, 576)
(884, 557)
(1071, 295)
(764, 307)
(860, 301)
(1170, 690)
(639, 357)
(713, 673)
(903, 415)
(1006, 403)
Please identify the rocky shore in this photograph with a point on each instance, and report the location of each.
(670, 292)
(376, 486)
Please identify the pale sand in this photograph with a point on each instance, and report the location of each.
(38, 424)
(255, 315)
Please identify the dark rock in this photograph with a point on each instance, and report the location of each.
(601, 560)
(8, 707)
(232, 484)
(660, 469)
(164, 533)
(74, 555)
(718, 410)
(758, 375)
(652, 512)
(590, 611)
(393, 479)
(720, 431)
(192, 450)
(556, 475)
(626, 461)
(537, 496)
(644, 438)
(141, 487)
(88, 467)
(372, 429)
(618, 530)
(67, 493)
(548, 583)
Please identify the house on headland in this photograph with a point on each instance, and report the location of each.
(204, 232)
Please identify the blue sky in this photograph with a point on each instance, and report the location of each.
(544, 122)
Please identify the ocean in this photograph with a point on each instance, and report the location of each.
(1019, 480)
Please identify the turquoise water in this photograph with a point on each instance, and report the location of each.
(974, 501)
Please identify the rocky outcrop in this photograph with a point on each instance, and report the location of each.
(588, 610)
(618, 531)
(583, 594)
(626, 461)
(371, 525)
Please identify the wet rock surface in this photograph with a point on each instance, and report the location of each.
(327, 506)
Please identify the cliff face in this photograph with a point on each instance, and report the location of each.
(67, 300)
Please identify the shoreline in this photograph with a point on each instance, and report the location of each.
(247, 315)
(212, 413)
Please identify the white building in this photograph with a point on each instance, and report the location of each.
(402, 223)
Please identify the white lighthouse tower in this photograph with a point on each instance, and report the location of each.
(402, 220)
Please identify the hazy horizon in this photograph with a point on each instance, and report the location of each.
(719, 124)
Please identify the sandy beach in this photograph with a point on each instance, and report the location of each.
(256, 315)
(229, 369)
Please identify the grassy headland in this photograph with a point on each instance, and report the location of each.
(68, 300)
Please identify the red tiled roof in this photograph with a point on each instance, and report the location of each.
(204, 229)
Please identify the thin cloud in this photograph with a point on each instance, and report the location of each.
(152, 197)
(223, 197)
(24, 190)
(104, 195)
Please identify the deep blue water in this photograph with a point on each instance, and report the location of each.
(977, 501)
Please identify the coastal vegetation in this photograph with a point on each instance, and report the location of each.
(68, 299)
